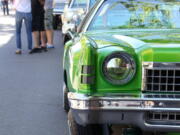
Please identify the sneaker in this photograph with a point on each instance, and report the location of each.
(18, 52)
(50, 46)
(35, 50)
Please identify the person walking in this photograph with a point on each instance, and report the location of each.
(23, 12)
(48, 22)
(38, 26)
(5, 6)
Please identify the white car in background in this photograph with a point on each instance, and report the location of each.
(58, 10)
(73, 14)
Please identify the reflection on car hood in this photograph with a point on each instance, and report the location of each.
(136, 38)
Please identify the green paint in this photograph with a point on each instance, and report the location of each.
(91, 48)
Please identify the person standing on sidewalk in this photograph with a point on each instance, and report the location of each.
(23, 12)
(5, 6)
(38, 30)
(48, 22)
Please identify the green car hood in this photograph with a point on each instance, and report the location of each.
(136, 38)
(150, 45)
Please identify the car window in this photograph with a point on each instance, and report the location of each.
(86, 18)
(91, 3)
(126, 14)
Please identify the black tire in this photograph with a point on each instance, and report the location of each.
(60, 24)
(55, 22)
(65, 99)
(76, 129)
(66, 38)
(63, 39)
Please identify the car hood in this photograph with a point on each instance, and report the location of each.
(136, 38)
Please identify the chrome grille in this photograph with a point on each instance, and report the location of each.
(174, 96)
(161, 77)
(168, 117)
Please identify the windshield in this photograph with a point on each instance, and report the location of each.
(137, 14)
(91, 3)
(79, 4)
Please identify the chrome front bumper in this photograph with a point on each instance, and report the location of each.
(125, 102)
(124, 109)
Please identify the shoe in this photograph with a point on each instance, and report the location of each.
(50, 46)
(35, 50)
(18, 52)
(44, 48)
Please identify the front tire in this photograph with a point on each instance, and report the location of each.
(55, 22)
(76, 129)
(66, 38)
(65, 98)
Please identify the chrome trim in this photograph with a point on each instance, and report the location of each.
(131, 66)
(161, 65)
(157, 66)
(71, 3)
(70, 34)
(123, 102)
(58, 13)
(161, 126)
(92, 16)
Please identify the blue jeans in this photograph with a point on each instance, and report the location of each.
(5, 7)
(27, 17)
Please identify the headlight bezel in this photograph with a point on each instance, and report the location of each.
(128, 58)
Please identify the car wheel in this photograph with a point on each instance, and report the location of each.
(65, 98)
(63, 39)
(66, 38)
(55, 23)
(60, 24)
(76, 129)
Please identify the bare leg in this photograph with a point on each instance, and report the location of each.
(36, 39)
(49, 34)
(43, 38)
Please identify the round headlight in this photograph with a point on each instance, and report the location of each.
(119, 68)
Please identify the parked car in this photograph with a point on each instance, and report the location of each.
(57, 12)
(73, 15)
(122, 66)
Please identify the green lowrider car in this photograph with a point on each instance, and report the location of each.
(122, 66)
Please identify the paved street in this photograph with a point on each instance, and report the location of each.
(30, 87)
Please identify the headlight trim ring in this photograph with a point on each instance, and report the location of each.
(127, 58)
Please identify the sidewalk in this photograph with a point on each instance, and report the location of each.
(6, 27)
(30, 86)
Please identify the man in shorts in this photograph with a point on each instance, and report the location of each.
(38, 30)
(48, 21)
